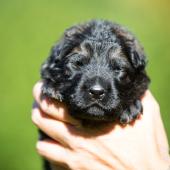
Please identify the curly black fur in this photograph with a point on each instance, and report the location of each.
(97, 53)
(98, 69)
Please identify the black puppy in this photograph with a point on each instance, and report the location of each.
(98, 69)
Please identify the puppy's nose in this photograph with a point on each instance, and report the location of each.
(97, 91)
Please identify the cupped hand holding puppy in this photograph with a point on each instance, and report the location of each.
(139, 146)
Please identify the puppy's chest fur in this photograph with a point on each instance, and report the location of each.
(98, 69)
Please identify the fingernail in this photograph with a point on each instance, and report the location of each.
(40, 145)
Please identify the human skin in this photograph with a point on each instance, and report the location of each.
(141, 145)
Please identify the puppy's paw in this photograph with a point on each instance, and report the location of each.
(125, 117)
(131, 113)
(136, 109)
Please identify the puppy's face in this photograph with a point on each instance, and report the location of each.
(95, 77)
(99, 72)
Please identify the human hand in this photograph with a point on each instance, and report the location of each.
(139, 146)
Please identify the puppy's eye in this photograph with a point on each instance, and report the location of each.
(115, 66)
(121, 74)
(79, 62)
(117, 69)
(124, 77)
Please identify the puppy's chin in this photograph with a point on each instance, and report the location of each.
(93, 113)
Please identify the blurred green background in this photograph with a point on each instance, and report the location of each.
(27, 31)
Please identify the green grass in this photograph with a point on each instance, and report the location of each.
(27, 31)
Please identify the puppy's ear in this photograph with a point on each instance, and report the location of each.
(131, 47)
(49, 67)
(51, 74)
(72, 37)
(52, 71)
(77, 31)
(136, 54)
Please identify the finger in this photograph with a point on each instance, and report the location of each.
(151, 106)
(55, 129)
(52, 151)
(149, 101)
(52, 107)
(161, 138)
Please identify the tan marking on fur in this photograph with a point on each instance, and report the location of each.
(81, 50)
(116, 53)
